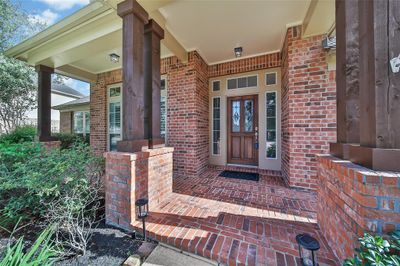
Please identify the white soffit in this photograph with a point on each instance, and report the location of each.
(214, 28)
(320, 17)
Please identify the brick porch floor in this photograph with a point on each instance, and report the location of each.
(237, 222)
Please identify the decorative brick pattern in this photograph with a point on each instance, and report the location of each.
(245, 65)
(66, 122)
(233, 233)
(308, 107)
(353, 199)
(130, 176)
(270, 193)
(187, 114)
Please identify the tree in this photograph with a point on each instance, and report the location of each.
(17, 79)
(17, 93)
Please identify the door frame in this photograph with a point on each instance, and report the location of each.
(229, 128)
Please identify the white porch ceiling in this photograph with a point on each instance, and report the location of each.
(79, 45)
(215, 28)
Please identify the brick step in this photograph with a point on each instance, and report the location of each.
(232, 234)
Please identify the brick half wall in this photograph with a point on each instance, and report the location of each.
(130, 176)
(352, 200)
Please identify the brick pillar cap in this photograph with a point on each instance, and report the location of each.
(132, 6)
(43, 68)
(154, 27)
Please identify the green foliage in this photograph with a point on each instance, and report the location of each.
(15, 24)
(68, 139)
(19, 134)
(32, 177)
(40, 254)
(17, 79)
(377, 251)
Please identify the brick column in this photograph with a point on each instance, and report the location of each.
(130, 176)
(188, 115)
(308, 107)
(66, 122)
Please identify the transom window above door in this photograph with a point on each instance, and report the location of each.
(242, 82)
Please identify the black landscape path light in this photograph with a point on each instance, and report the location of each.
(307, 249)
(142, 206)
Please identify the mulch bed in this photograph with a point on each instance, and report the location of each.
(108, 246)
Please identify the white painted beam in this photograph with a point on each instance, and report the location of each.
(76, 73)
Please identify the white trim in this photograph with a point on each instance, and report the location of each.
(113, 100)
(243, 165)
(238, 77)
(212, 130)
(164, 77)
(276, 125)
(276, 78)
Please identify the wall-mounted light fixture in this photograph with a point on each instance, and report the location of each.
(114, 58)
(238, 51)
(329, 43)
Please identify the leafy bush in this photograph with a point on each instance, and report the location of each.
(31, 178)
(61, 187)
(20, 134)
(377, 251)
(68, 139)
(40, 254)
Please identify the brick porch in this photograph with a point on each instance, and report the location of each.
(237, 222)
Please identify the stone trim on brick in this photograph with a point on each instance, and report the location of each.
(354, 199)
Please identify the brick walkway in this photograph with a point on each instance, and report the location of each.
(237, 222)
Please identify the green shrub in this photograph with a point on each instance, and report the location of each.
(377, 251)
(68, 139)
(31, 177)
(20, 134)
(40, 254)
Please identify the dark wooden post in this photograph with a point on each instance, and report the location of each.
(152, 79)
(44, 102)
(379, 87)
(347, 78)
(134, 17)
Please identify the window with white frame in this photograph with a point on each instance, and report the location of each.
(216, 126)
(114, 116)
(82, 123)
(270, 78)
(216, 85)
(242, 82)
(271, 122)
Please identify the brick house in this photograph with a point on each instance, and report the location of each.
(232, 94)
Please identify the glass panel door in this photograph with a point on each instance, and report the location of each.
(236, 116)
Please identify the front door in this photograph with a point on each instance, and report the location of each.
(243, 130)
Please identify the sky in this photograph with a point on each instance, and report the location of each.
(50, 12)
